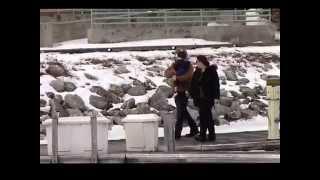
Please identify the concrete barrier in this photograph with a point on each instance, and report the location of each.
(103, 33)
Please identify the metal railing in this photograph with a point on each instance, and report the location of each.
(178, 16)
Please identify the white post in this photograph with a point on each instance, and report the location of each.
(54, 146)
(94, 146)
(273, 95)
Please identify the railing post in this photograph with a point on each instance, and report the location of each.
(168, 132)
(54, 142)
(273, 95)
(94, 145)
(201, 17)
(91, 13)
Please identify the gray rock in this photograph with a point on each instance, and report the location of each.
(242, 81)
(156, 69)
(141, 58)
(223, 92)
(268, 66)
(69, 86)
(56, 70)
(222, 78)
(221, 109)
(278, 66)
(246, 91)
(159, 102)
(234, 115)
(117, 90)
(137, 91)
(121, 70)
(116, 120)
(95, 61)
(242, 70)
(99, 102)
(258, 106)
(58, 85)
(149, 62)
(234, 94)
(166, 91)
(150, 74)
(248, 114)
(109, 96)
(143, 108)
(74, 102)
(224, 82)
(235, 106)
(169, 81)
(113, 112)
(91, 77)
(245, 101)
(125, 87)
(264, 77)
(74, 112)
(241, 74)
(226, 101)
(43, 103)
(129, 104)
(149, 85)
(230, 75)
(107, 64)
(259, 90)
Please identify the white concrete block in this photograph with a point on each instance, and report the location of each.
(141, 132)
(74, 135)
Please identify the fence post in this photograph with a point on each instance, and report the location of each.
(168, 132)
(94, 145)
(273, 95)
(55, 117)
(91, 17)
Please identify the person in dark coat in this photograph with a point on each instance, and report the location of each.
(181, 72)
(205, 90)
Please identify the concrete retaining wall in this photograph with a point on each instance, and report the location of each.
(54, 33)
(238, 33)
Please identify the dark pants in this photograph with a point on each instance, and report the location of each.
(206, 121)
(181, 101)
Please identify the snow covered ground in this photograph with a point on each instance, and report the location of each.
(77, 65)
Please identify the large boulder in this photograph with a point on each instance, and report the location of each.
(58, 85)
(91, 77)
(248, 114)
(226, 101)
(56, 70)
(74, 112)
(166, 91)
(43, 103)
(99, 102)
(137, 91)
(246, 91)
(125, 88)
(117, 90)
(129, 104)
(121, 70)
(231, 75)
(69, 86)
(222, 110)
(111, 97)
(242, 81)
(159, 102)
(234, 115)
(74, 102)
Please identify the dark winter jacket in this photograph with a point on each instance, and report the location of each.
(208, 83)
(182, 67)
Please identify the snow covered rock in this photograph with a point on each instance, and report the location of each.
(58, 85)
(230, 75)
(234, 115)
(56, 70)
(166, 91)
(242, 81)
(137, 91)
(226, 101)
(247, 91)
(247, 113)
(121, 70)
(74, 112)
(91, 77)
(129, 104)
(74, 101)
(159, 102)
(99, 102)
(43, 103)
(69, 86)
(222, 110)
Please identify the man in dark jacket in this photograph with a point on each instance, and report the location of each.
(181, 71)
(204, 90)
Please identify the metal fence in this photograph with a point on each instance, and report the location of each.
(202, 17)
(178, 16)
